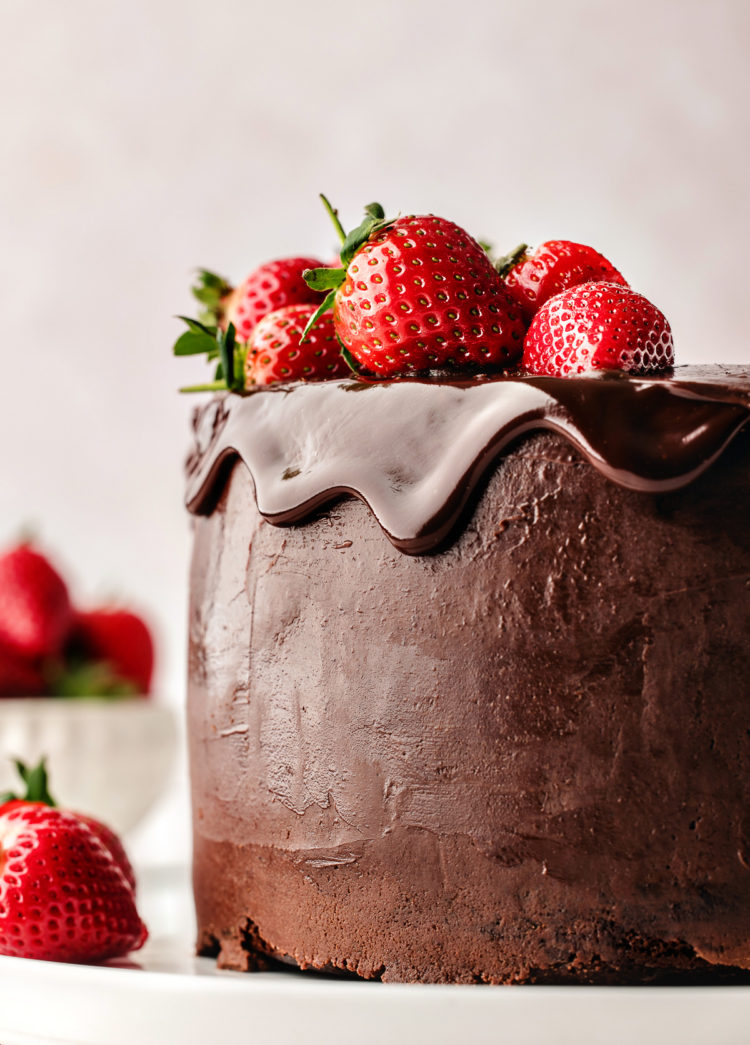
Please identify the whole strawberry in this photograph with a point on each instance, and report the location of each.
(276, 352)
(62, 896)
(598, 326)
(532, 277)
(416, 294)
(121, 640)
(269, 287)
(35, 609)
(36, 783)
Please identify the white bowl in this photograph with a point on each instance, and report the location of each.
(107, 758)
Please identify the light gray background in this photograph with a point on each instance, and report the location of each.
(142, 139)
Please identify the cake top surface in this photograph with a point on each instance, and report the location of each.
(415, 450)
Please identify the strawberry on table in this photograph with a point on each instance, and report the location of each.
(598, 326)
(269, 287)
(62, 896)
(112, 843)
(65, 894)
(276, 352)
(532, 277)
(121, 640)
(36, 782)
(418, 293)
(35, 609)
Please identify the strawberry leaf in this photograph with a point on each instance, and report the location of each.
(350, 361)
(226, 353)
(190, 344)
(373, 222)
(210, 288)
(354, 365)
(216, 344)
(324, 278)
(36, 782)
(324, 306)
(198, 328)
(359, 236)
(505, 264)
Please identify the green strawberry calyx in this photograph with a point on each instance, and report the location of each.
(35, 781)
(504, 264)
(219, 346)
(91, 679)
(210, 290)
(330, 279)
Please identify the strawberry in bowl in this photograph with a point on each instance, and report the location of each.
(116, 646)
(48, 647)
(73, 683)
(35, 608)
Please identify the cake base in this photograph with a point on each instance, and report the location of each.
(525, 758)
(464, 945)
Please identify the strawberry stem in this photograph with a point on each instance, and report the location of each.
(330, 279)
(209, 386)
(334, 216)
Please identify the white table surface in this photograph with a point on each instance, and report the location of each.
(166, 996)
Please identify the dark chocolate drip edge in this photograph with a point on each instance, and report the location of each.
(416, 451)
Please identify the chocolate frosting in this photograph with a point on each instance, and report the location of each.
(416, 451)
(524, 756)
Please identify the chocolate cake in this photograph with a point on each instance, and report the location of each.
(469, 682)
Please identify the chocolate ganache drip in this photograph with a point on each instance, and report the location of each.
(415, 451)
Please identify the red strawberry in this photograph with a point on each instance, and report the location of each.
(35, 610)
(62, 896)
(37, 793)
(112, 843)
(19, 677)
(119, 638)
(269, 287)
(598, 326)
(105, 834)
(419, 293)
(276, 351)
(534, 276)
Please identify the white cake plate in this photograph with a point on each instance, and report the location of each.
(167, 997)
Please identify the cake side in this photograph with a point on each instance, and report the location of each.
(524, 756)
